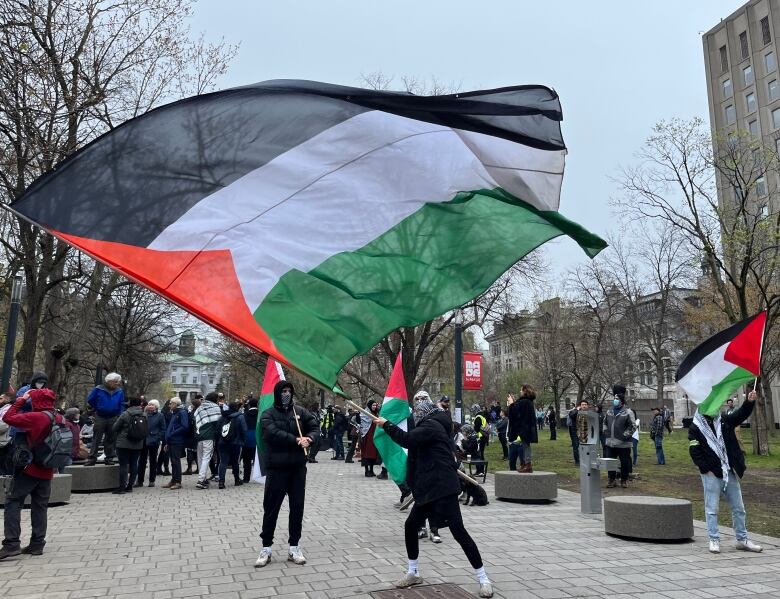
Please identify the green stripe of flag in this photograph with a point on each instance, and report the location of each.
(393, 455)
(436, 259)
(723, 390)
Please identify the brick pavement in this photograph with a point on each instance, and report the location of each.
(159, 544)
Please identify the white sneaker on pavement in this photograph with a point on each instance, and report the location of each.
(409, 580)
(485, 589)
(434, 538)
(263, 558)
(295, 555)
(748, 545)
(714, 546)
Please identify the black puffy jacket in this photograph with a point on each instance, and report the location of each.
(522, 421)
(705, 459)
(280, 432)
(431, 469)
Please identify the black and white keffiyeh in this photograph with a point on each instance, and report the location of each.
(715, 441)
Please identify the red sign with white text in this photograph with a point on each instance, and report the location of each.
(472, 371)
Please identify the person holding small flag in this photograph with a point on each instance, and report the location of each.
(709, 375)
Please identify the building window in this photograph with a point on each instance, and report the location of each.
(184, 379)
(174, 368)
(776, 118)
(766, 35)
(173, 379)
(761, 187)
(724, 59)
(764, 210)
(184, 369)
(777, 146)
(211, 379)
(731, 115)
(743, 45)
(750, 102)
(747, 75)
(770, 62)
(194, 380)
(773, 91)
(753, 127)
(727, 89)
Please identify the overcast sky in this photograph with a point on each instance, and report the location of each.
(618, 66)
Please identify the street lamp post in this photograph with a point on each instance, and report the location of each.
(10, 338)
(458, 369)
(226, 372)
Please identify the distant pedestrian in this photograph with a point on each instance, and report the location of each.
(571, 424)
(353, 434)
(207, 418)
(619, 429)
(72, 416)
(232, 434)
(370, 455)
(552, 422)
(250, 439)
(339, 428)
(175, 440)
(501, 429)
(522, 430)
(154, 438)
(667, 418)
(657, 435)
(635, 438)
(540, 418)
(130, 430)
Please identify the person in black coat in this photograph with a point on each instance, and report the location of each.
(284, 461)
(721, 463)
(522, 429)
(432, 475)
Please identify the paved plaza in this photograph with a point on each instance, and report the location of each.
(161, 544)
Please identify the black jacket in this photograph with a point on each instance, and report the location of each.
(280, 432)
(705, 459)
(431, 469)
(522, 421)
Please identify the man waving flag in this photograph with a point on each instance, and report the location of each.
(713, 371)
(395, 409)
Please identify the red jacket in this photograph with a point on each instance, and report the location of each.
(35, 424)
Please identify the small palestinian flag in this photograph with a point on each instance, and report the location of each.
(713, 371)
(273, 374)
(395, 408)
(308, 220)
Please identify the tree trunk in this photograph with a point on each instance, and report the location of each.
(766, 386)
(758, 426)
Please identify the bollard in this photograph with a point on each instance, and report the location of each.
(591, 463)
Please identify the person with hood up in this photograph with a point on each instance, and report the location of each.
(250, 440)
(34, 480)
(432, 475)
(108, 401)
(284, 461)
(232, 434)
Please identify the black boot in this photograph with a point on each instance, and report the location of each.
(383, 474)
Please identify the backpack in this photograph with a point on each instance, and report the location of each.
(54, 451)
(138, 429)
(228, 430)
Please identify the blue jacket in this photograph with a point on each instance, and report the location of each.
(156, 428)
(107, 403)
(178, 427)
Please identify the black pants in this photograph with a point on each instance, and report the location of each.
(440, 513)
(228, 458)
(352, 446)
(624, 455)
(553, 433)
(575, 446)
(278, 483)
(39, 490)
(481, 444)
(128, 462)
(502, 440)
(176, 452)
(247, 458)
(103, 432)
(192, 458)
(148, 454)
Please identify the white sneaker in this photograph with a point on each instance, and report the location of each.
(714, 546)
(434, 538)
(748, 545)
(296, 555)
(263, 558)
(422, 533)
(485, 589)
(409, 580)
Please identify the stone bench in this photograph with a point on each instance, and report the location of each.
(535, 486)
(90, 479)
(60, 489)
(649, 518)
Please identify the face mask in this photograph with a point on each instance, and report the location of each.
(286, 398)
(616, 402)
(39, 385)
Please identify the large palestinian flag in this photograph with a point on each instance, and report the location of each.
(308, 220)
(396, 409)
(713, 371)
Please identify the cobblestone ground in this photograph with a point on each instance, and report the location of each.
(162, 544)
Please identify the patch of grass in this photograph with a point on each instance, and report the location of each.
(678, 478)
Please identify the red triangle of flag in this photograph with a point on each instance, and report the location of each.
(745, 349)
(396, 388)
(273, 374)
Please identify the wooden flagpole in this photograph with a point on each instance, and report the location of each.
(298, 425)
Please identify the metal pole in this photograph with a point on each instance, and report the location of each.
(10, 338)
(459, 368)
